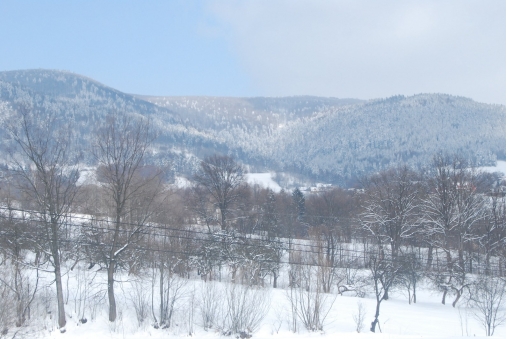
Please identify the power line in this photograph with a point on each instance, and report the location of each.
(262, 243)
(165, 228)
(366, 254)
(147, 226)
(363, 253)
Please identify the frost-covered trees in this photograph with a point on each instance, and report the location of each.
(391, 207)
(390, 213)
(451, 210)
(492, 231)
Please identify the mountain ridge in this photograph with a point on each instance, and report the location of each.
(326, 139)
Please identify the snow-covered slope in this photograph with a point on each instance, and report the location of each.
(427, 318)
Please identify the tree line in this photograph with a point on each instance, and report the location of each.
(446, 223)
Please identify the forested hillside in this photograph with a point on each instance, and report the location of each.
(370, 136)
(323, 139)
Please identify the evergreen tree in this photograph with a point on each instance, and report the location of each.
(299, 203)
(299, 208)
(270, 220)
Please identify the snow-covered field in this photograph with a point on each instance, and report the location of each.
(500, 167)
(264, 180)
(428, 318)
(85, 297)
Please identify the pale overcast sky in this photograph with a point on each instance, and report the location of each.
(346, 49)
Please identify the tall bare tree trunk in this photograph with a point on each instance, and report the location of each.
(429, 257)
(58, 275)
(119, 149)
(47, 172)
(111, 291)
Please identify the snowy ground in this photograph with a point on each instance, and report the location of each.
(425, 319)
(500, 167)
(264, 180)
(428, 318)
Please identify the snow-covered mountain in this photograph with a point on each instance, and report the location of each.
(326, 139)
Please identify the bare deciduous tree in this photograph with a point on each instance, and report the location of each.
(384, 272)
(139, 298)
(488, 301)
(328, 213)
(212, 303)
(492, 233)
(220, 176)
(45, 165)
(391, 207)
(246, 308)
(131, 188)
(410, 274)
(390, 212)
(309, 303)
(451, 211)
(17, 239)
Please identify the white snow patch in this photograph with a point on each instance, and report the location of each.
(182, 182)
(87, 176)
(264, 180)
(500, 167)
